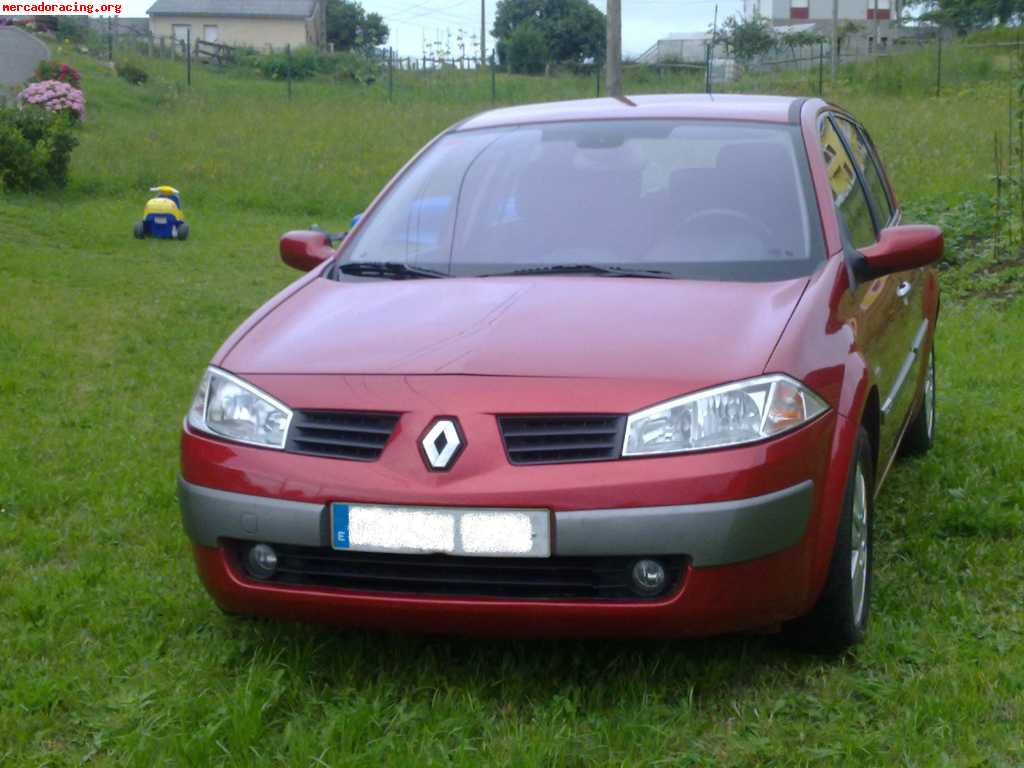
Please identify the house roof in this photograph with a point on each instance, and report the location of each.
(287, 9)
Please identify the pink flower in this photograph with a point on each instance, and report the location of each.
(55, 96)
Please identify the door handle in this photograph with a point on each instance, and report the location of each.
(903, 289)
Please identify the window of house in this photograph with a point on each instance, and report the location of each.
(211, 32)
(181, 32)
(800, 9)
(847, 192)
(884, 7)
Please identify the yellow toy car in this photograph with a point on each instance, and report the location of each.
(162, 216)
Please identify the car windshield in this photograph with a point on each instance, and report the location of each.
(669, 198)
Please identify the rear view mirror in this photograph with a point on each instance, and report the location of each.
(901, 248)
(305, 249)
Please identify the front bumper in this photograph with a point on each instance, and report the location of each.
(754, 527)
(710, 534)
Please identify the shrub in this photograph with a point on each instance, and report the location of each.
(305, 62)
(35, 148)
(74, 29)
(527, 50)
(132, 72)
(52, 70)
(55, 96)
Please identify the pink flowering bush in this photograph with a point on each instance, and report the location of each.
(55, 96)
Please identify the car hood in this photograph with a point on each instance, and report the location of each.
(699, 332)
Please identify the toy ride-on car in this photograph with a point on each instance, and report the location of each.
(162, 216)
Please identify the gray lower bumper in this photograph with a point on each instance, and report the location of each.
(718, 533)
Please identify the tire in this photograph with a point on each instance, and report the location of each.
(183, 231)
(920, 434)
(139, 230)
(839, 619)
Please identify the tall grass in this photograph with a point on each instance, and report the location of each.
(235, 141)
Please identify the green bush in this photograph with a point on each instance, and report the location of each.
(35, 149)
(306, 62)
(132, 72)
(303, 62)
(527, 50)
(54, 70)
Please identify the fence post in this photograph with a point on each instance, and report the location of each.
(110, 38)
(188, 55)
(391, 75)
(288, 54)
(938, 68)
(707, 69)
(821, 67)
(494, 78)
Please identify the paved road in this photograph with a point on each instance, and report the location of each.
(19, 55)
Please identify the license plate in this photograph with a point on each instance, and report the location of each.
(441, 530)
(159, 219)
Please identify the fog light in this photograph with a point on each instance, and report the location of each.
(262, 561)
(648, 577)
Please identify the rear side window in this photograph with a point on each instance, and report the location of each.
(867, 163)
(847, 192)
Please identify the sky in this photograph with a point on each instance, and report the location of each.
(643, 21)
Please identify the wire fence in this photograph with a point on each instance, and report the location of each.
(911, 66)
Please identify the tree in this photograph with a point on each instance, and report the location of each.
(968, 15)
(801, 39)
(350, 27)
(748, 38)
(570, 30)
(527, 49)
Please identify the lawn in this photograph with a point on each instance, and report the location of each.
(112, 654)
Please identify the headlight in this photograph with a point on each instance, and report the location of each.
(227, 406)
(733, 414)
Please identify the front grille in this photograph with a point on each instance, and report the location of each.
(556, 439)
(565, 578)
(355, 435)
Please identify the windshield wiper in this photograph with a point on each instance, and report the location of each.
(390, 269)
(584, 269)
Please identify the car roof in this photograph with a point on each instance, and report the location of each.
(773, 109)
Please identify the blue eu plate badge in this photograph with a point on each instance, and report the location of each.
(339, 526)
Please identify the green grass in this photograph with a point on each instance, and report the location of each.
(112, 654)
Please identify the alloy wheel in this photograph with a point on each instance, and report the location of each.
(929, 396)
(859, 545)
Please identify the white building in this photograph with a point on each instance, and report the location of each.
(260, 24)
(782, 12)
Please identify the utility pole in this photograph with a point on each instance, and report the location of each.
(483, 32)
(835, 39)
(323, 25)
(878, 40)
(613, 53)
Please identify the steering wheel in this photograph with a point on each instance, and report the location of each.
(746, 219)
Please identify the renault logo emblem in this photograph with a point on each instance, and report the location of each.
(441, 444)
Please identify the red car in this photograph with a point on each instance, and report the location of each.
(623, 367)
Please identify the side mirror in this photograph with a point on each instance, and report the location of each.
(305, 249)
(901, 248)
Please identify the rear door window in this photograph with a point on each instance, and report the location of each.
(867, 163)
(847, 192)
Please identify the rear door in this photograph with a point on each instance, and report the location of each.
(879, 309)
(911, 325)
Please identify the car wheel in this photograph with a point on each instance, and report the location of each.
(840, 617)
(139, 230)
(921, 433)
(183, 231)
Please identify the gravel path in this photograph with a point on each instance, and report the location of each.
(20, 52)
